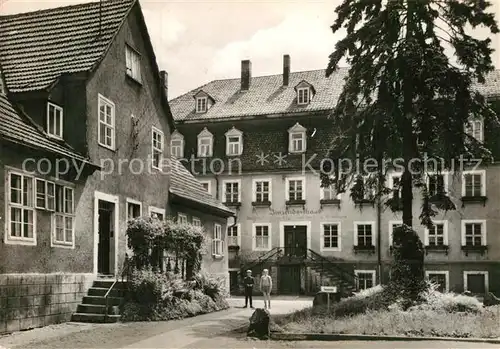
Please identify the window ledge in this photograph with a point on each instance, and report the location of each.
(330, 249)
(20, 241)
(232, 203)
(139, 83)
(261, 203)
(364, 249)
(218, 256)
(474, 199)
(480, 249)
(295, 202)
(365, 202)
(107, 147)
(332, 202)
(437, 248)
(233, 248)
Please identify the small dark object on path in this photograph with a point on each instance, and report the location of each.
(259, 324)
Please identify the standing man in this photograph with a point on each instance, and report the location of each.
(248, 282)
(266, 284)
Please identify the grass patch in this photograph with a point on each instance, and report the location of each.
(375, 312)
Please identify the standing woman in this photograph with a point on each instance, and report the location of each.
(266, 284)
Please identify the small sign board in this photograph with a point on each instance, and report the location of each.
(329, 289)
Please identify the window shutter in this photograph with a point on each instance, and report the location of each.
(426, 237)
(355, 235)
(223, 248)
(463, 234)
(214, 247)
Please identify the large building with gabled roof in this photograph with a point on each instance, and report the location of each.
(257, 143)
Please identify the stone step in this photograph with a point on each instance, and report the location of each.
(97, 309)
(100, 291)
(108, 283)
(94, 318)
(100, 300)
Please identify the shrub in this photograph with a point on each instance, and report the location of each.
(211, 286)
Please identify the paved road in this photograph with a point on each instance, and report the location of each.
(208, 331)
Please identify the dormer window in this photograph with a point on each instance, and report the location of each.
(133, 63)
(305, 92)
(205, 143)
(297, 139)
(303, 96)
(3, 90)
(201, 104)
(234, 142)
(203, 101)
(54, 120)
(177, 145)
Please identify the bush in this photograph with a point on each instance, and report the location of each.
(155, 296)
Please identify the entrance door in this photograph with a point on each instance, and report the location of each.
(234, 284)
(296, 240)
(105, 237)
(289, 279)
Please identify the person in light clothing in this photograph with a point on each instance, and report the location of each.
(266, 284)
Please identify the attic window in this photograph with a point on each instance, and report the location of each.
(303, 95)
(297, 139)
(234, 142)
(54, 120)
(133, 61)
(475, 129)
(177, 145)
(2, 86)
(205, 143)
(201, 104)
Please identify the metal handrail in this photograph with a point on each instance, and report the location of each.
(261, 259)
(331, 265)
(124, 269)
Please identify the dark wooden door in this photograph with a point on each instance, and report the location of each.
(289, 282)
(476, 283)
(104, 247)
(296, 240)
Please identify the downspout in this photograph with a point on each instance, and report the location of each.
(379, 239)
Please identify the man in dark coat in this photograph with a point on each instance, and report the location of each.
(248, 283)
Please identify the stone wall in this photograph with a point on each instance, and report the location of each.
(35, 300)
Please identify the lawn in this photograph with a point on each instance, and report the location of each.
(443, 315)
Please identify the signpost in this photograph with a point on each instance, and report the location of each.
(328, 290)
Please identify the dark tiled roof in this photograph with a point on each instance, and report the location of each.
(183, 184)
(37, 47)
(267, 95)
(15, 128)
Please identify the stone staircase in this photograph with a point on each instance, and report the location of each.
(320, 276)
(93, 307)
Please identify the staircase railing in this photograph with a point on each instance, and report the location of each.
(123, 272)
(332, 266)
(262, 259)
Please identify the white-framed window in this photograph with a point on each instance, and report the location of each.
(201, 104)
(205, 143)
(364, 234)
(477, 282)
(231, 191)
(474, 183)
(182, 218)
(439, 277)
(234, 235)
(21, 214)
(156, 212)
(218, 242)
(177, 145)
(106, 128)
(437, 183)
(329, 193)
(45, 194)
(437, 235)
(475, 128)
(330, 236)
(261, 236)
(133, 63)
(392, 226)
(295, 189)
(207, 185)
(197, 222)
(134, 209)
(63, 232)
(157, 144)
(54, 120)
(394, 184)
(234, 142)
(364, 279)
(303, 95)
(262, 190)
(474, 232)
(297, 139)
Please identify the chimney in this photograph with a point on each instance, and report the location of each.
(164, 83)
(286, 70)
(246, 74)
